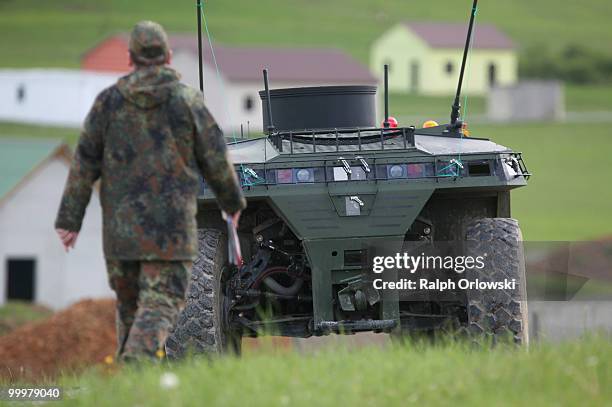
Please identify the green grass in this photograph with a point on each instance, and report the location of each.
(570, 374)
(588, 98)
(56, 33)
(16, 313)
(17, 130)
(569, 196)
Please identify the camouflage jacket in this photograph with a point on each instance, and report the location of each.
(147, 138)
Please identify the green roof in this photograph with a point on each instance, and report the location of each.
(18, 157)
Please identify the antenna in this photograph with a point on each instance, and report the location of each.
(201, 72)
(386, 122)
(457, 105)
(269, 102)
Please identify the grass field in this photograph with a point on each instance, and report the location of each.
(571, 374)
(56, 33)
(17, 130)
(588, 98)
(568, 198)
(17, 313)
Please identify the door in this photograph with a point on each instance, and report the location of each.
(414, 76)
(492, 75)
(21, 279)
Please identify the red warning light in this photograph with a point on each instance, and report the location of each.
(393, 123)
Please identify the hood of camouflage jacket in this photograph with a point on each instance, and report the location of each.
(148, 87)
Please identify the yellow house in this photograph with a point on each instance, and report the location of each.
(426, 58)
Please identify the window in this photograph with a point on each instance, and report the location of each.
(449, 68)
(414, 74)
(492, 74)
(248, 103)
(21, 278)
(21, 93)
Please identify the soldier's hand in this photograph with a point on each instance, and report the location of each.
(67, 237)
(235, 217)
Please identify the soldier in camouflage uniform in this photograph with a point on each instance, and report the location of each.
(146, 138)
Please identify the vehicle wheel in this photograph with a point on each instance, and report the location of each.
(201, 326)
(497, 313)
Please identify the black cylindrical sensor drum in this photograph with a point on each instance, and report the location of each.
(321, 107)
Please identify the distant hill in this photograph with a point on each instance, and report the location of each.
(56, 33)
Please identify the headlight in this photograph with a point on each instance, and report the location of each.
(396, 171)
(304, 175)
(420, 170)
(284, 176)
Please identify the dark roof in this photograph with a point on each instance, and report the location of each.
(19, 157)
(451, 35)
(317, 65)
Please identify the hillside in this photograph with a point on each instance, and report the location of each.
(35, 33)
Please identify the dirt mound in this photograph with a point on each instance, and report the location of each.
(70, 340)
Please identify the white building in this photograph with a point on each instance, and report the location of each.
(57, 97)
(33, 264)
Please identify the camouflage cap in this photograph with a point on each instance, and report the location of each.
(149, 43)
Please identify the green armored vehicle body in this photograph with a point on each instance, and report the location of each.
(317, 198)
(327, 191)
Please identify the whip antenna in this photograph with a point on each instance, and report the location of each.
(386, 122)
(457, 105)
(270, 128)
(201, 72)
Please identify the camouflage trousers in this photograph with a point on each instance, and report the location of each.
(150, 295)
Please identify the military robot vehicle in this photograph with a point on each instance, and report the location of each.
(324, 186)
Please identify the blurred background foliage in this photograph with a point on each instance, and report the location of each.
(574, 63)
